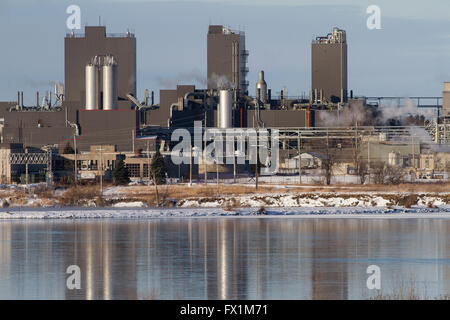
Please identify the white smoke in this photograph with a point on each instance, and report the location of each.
(220, 82)
(393, 111)
(350, 116)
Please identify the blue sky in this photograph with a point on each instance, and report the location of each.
(409, 56)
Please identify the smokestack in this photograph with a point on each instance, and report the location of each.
(18, 98)
(269, 95)
(21, 98)
(153, 97)
(37, 99)
(351, 94)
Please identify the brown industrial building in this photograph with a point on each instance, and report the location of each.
(80, 49)
(227, 58)
(329, 67)
(68, 120)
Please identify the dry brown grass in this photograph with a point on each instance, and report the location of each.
(79, 195)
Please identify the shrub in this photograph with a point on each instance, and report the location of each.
(408, 201)
(78, 195)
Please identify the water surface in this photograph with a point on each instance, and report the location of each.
(223, 258)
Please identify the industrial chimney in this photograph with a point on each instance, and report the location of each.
(261, 88)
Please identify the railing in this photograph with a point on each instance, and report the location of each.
(108, 35)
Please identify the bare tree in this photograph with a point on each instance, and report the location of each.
(378, 171)
(329, 161)
(394, 174)
(362, 170)
(361, 167)
(383, 173)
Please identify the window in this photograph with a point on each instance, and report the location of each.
(145, 170)
(134, 169)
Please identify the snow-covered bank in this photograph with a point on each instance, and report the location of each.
(140, 213)
(316, 200)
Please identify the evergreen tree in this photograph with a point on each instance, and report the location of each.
(121, 175)
(68, 165)
(68, 149)
(158, 168)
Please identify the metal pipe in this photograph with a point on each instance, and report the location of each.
(225, 109)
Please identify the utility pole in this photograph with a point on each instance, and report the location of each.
(299, 158)
(217, 173)
(26, 167)
(132, 140)
(101, 169)
(204, 154)
(257, 162)
(148, 164)
(190, 167)
(368, 156)
(234, 165)
(75, 167)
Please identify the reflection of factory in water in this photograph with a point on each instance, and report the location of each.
(98, 107)
(221, 259)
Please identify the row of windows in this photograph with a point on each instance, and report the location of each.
(135, 170)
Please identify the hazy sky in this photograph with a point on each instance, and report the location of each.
(409, 56)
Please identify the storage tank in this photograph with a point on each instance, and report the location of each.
(261, 88)
(92, 87)
(110, 85)
(225, 112)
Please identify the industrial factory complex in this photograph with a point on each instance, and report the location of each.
(99, 114)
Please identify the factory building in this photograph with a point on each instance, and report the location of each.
(99, 107)
(329, 67)
(227, 58)
(79, 50)
(94, 108)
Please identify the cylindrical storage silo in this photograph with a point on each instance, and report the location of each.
(110, 87)
(91, 87)
(225, 114)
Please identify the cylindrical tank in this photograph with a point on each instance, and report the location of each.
(261, 88)
(225, 112)
(110, 87)
(91, 87)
